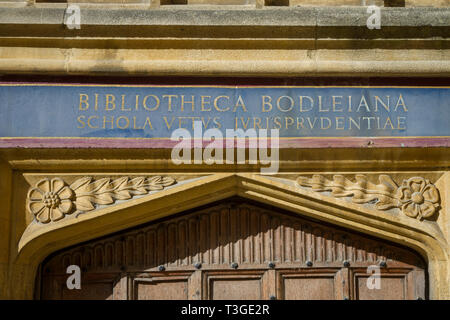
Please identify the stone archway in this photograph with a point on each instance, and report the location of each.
(39, 241)
(236, 249)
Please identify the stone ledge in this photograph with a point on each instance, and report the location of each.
(279, 42)
(242, 63)
(234, 16)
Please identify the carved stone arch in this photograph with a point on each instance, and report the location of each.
(262, 246)
(38, 242)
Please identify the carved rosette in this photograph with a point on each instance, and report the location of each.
(52, 199)
(417, 197)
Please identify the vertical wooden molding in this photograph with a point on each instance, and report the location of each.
(120, 291)
(342, 283)
(270, 285)
(195, 286)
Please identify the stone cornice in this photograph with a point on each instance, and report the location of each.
(228, 16)
(232, 23)
(235, 41)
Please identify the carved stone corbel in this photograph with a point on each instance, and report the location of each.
(416, 197)
(52, 199)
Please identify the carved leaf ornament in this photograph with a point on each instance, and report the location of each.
(52, 199)
(416, 197)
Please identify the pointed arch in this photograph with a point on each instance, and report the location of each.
(38, 241)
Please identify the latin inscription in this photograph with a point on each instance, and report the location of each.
(303, 112)
(33, 111)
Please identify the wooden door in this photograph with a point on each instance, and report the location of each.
(236, 250)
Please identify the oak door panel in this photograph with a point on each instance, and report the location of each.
(93, 287)
(392, 288)
(235, 285)
(308, 284)
(161, 289)
(393, 284)
(159, 286)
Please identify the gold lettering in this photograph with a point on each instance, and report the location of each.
(89, 122)
(169, 100)
(363, 99)
(358, 125)
(203, 102)
(257, 123)
(84, 101)
(240, 103)
(96, 102)
(110, 121)
(401, 123)
(340, 123)
(167, 123)
(279, 106)
(181, 121)
(400, 99)
(388, 120)
(387, 107)
(320, 105)
(245, 124)
(110, 100)
(300, 123)
(321, 123)
(216, 103)
(301, 103)
(264, 103)
(217, 122)
(184, 102)
(144, 103)
(147, 121)
(80, 120)
(368, 121)
(137, 103)
(123, 104)
(134, 124)
(193, 119)
(205, 125)
(127, 122)
(289, 121)
(311, 125)
(335, 103)
(277, 121)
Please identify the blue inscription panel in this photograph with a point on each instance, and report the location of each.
(113, 111)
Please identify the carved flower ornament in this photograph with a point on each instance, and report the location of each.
(52, 200)
(419, 198)
(416, 197)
